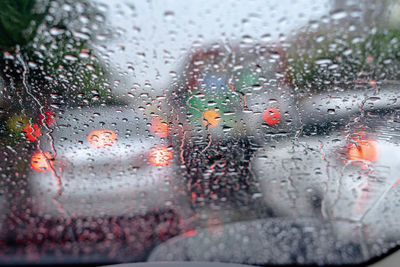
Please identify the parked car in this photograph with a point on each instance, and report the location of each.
(92, 151)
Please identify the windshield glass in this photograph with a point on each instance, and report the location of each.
(244, 132)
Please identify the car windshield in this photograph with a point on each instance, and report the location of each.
(245, 132)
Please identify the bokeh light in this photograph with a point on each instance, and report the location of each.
(365, 150)
(102, 138)
(160, 156)
(32, 132)
(159, 127)
(42, 162)
(271, 116)
(211, 118)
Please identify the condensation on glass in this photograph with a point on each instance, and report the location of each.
(256, 133)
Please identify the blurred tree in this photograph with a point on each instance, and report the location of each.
(338, 52)
(47, 61)
(18, 22)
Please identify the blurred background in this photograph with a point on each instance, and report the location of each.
(145, 130)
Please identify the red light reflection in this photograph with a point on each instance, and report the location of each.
(190, 233)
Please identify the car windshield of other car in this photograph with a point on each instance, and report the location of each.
(248, 132)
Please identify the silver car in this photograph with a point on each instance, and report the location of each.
(104, 161)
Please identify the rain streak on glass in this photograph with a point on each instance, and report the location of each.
(240, 132)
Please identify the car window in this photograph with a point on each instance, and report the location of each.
(240, 132)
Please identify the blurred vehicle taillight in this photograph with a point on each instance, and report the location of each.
(160, 156)
(102, 138)
(42, 162)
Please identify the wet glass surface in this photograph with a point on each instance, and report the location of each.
(187, 131)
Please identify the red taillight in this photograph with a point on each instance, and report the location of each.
(49, 118)
(271, 116)
(42, 162)
(159, 127)
(365, 150)
(32, 132)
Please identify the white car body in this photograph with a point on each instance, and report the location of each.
(113, 180)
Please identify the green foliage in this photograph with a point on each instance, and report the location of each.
(364, 57)
(47, 39)
(18, 22)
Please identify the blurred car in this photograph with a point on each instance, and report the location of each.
(105, 161)
(266, 148)
(346, 173)
(228, 92)
(332, 192)
(227, 99)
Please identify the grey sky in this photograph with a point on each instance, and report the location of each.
(154, 36)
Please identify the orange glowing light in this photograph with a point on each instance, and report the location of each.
(102, 138)
(160, 156)
(42, 162)
(365, 150)
(372, 82)
(32, 132)
(211, 117)
(190, 233)
(159, 127)
(271, 116)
